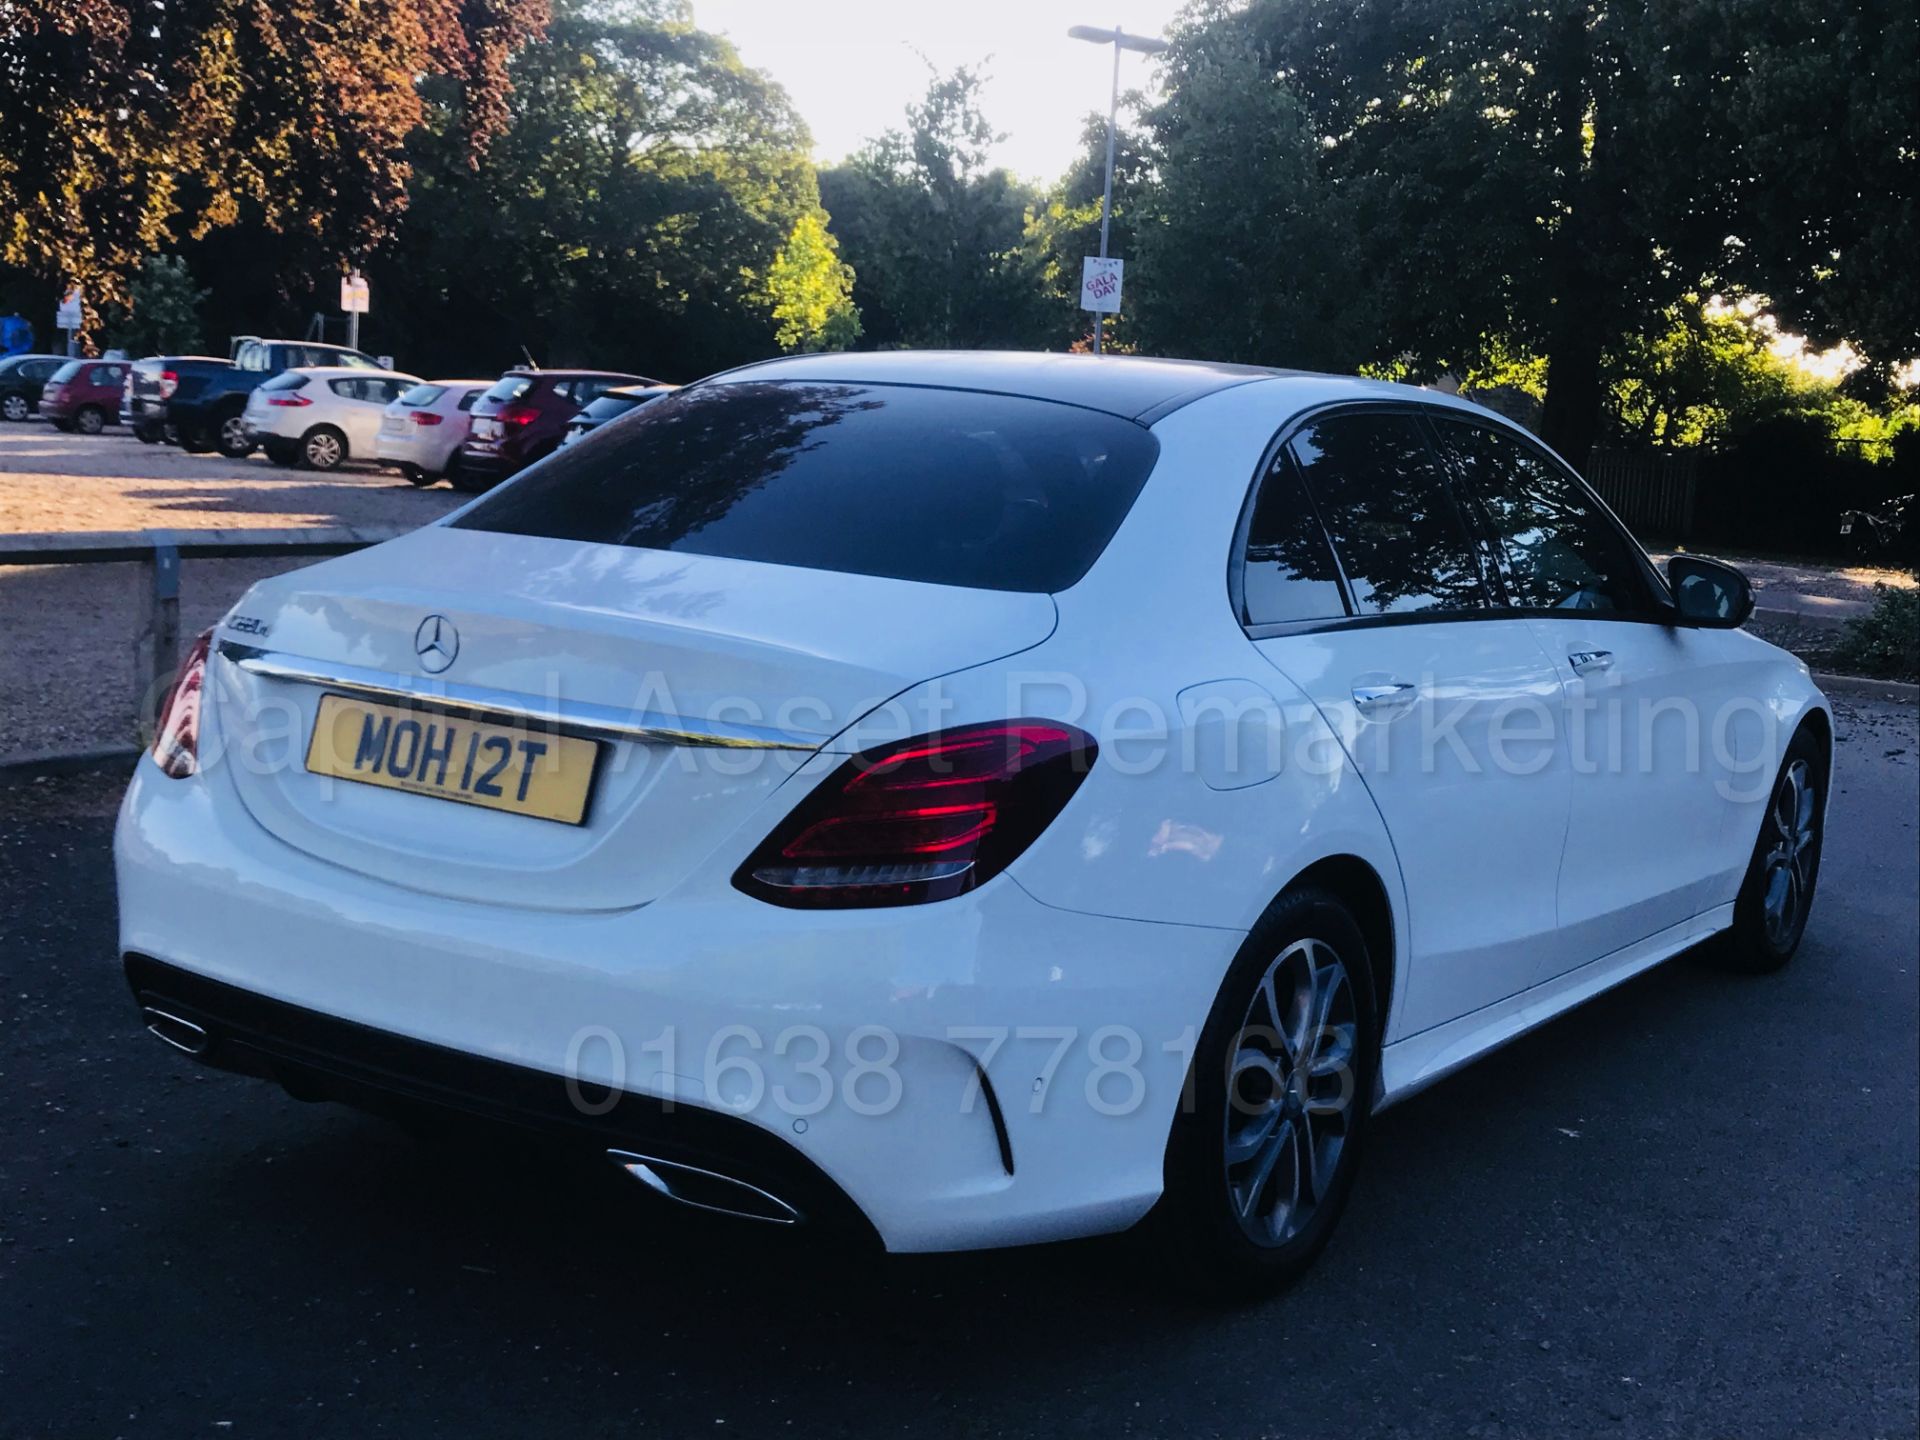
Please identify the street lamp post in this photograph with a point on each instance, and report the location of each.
(1120, 40)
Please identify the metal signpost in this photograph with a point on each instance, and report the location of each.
(1102, 285)
(71, 316)
(356, 299)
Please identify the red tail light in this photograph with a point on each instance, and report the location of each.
(169, 382)
(927, 819)
(426, 417)
(290, 398)
(518, 415)
(176, 737)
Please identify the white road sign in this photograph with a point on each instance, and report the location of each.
(72, 314)
(1100, 284)
(355, 296)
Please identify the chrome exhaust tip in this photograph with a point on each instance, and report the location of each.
(705, 1189)
(181, 1034)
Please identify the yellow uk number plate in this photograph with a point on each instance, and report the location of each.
(503, 767)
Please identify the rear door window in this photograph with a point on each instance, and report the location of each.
(1384, 499)
(1288, 571)
(950, 487)
(1554, 546)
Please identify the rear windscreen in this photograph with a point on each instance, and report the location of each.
(423, 395)
(69, 371)
(951, 487)
(608, 406)
(509, 387)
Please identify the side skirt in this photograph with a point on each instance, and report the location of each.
(1408, 1066)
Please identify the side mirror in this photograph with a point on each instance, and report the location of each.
(1707, 594)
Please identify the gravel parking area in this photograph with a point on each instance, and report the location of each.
(68, 664)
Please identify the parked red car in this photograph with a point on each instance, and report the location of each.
(523, 418)
(84, 395)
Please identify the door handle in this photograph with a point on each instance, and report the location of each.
(1590, 662)
(1373, 699)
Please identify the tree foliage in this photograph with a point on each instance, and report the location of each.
(811, 291)
(934, 234)
(1555, 177)
(1244, 244)
(162, 313)
(125, 127)
(626, 216)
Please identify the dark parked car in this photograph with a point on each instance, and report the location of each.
(523, 418)
(84, 395)
(195, 400)
(21, 379)
(611, 406)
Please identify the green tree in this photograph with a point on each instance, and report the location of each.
(935, 234)
(626, 217)
(162, 313)
(811, 291)
(1552, 178)
(1245, 248)
(125, 127)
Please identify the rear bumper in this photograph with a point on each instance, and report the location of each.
(488, 465)
(324, 1058)
(857, 1040)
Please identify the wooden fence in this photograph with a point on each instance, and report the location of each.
(1656, 494)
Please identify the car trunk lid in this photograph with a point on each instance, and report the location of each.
(705, 682)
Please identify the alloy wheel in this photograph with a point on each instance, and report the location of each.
(323, 450)
(1792, 854)
(234, 439)
(1292, 1093)
(15, 407)
(90, 421)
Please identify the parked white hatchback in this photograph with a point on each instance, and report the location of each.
(422, 431)
(322, 416)
(977, 799)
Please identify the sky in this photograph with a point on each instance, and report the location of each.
(851, 65)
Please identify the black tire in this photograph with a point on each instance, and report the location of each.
(281, 452)
(1758, 943)
(466, 482)
(65, 427)
(322, 448)
(146, 436)
(1197, 1232)
(195, 440)
(417, 477)
(230, 437)
(90, 420)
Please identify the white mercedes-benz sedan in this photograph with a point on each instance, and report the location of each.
(972, 799)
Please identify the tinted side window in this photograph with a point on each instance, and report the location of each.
(1289, 572)
(1555, 549)
(1385, 502)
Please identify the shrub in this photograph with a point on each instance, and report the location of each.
(1886, 640)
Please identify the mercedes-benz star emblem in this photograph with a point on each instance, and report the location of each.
(437, 643)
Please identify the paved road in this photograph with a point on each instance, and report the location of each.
(1689, 1210)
